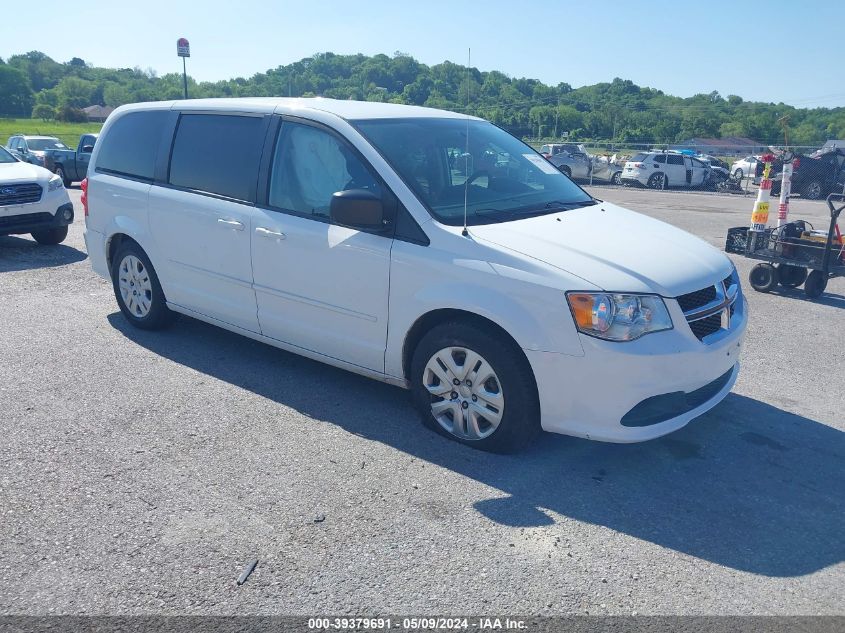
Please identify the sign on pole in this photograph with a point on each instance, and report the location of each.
(183, 47)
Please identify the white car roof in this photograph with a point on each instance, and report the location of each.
(349, 110)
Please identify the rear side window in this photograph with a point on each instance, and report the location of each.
(218, 154)
(674, 159)
(660, 159)
(131, 144)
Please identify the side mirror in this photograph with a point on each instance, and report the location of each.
(87, 149)
(357, 209)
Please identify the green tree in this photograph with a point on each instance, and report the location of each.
(16, 96)
(43, 112)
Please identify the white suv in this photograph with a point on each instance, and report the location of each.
(32, 200)
(395, 242)
(661, 170)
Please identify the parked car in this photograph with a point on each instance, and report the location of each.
(661, 170)
(606, 168)
(573, 164)
(508, 300)
(32, 200)
(745, 167)
(32, 149)
(71, 166)
(812, 177)
(718, 170)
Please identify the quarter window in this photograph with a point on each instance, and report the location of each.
(309, 166)
(218, 154)
(131, 145)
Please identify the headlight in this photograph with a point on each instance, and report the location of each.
(55, 183)
(618, 317)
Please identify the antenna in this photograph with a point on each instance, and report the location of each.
(465, 233)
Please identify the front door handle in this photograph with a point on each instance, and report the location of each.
(268, 233)
(232, 224)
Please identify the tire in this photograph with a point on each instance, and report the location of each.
(815, 284)
(813, 190)
(565, 171)
(133, 272)
(791, 276)
(60, 172)
(763, 277)
(50, 237)
(508, 417)
(616, 178)
(738, 174)
(657, 181)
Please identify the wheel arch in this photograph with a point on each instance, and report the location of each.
(433, 318)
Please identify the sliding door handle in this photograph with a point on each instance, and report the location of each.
(232, 224)
(268, 233)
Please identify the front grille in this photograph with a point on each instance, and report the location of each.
(706, 326)
(24, 219)
(19, 194)
(697, 299)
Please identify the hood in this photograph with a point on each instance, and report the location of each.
(614, 248)
(22, 172)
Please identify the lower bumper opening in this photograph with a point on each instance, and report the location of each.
(657, 409)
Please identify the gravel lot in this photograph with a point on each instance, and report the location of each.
(142, 471)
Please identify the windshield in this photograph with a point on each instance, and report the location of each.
(6, 157)
(41, 144)
(499, 176)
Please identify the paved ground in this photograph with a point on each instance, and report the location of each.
(140, 472)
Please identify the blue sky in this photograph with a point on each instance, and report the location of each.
(682, 47)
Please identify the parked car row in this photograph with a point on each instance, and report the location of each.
(49, 152)
(573, 160)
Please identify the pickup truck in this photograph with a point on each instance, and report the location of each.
(71, 166)
(815, 176)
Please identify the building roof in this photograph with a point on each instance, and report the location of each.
(97, 111)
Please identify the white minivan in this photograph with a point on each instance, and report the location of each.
(423, 248)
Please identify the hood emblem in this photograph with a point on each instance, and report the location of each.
(8, 191)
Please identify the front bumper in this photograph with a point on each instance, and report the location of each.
(639, 390)
(21, 223)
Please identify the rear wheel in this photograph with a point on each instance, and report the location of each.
(475, 388)
(815, 284)
(50, 237)
(60, 172)
(138, 290)
(813, 190)
(657, 181)
(738, 174)
(791, 276)
(763, 277)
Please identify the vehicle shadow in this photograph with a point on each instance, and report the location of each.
(748, 486)
(827, 299)
(17, 253)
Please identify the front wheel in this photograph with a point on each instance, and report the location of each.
(763, 278)
(738, 174)
(138, 290)
(475, 388)
(565, 171)
(616, 179)
(50, 237)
